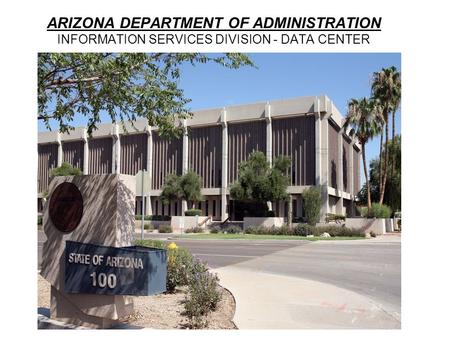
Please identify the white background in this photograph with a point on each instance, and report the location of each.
(415, 30)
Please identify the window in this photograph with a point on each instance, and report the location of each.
(214, 208)
(156, 207)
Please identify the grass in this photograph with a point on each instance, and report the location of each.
(263, 237)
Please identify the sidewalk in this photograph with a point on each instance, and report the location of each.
(268, 301)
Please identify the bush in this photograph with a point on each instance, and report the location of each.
(165, 229)
(203, 297)
(312, 201)
(195, 230)
(372, 234)
(153, 243)
(180, 266)
(379, 211)
(334, 217)
(284, 231)
(193, 212)
(39, 220)
(148, 226)
(215, 229)
(185, 270)
(232, 229)
(362, 211)
(66, 169)
(303, 230)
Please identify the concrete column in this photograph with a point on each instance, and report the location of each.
(60, 150)
(322, 156)
(85, 153)
(340, 175)
(223, 189)
(116, 149)
(268, 117)
(185, 164)
(148, 201)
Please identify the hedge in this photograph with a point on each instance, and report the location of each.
(193, 212)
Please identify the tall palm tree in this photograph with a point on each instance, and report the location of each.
(365, 119)
(386, 90)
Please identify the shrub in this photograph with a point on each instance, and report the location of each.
(303, 230)
(180, 266)
(165, 229)
(232, 229)
(334, 217)
(66, 169)
(193, 212)
(283, 230)
(153, 243)
(336, 231)
(312, 201)
(215, 229)
(372, 234)
(203, 297)
(363, 211)
(39, 220)
(148, 226)
(380, 211)
(195, 230)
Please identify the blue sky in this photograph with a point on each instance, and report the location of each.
(340, 76)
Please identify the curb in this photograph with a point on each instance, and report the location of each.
(235, 304)
(45, 323)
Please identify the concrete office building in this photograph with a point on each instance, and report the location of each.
(307, 129)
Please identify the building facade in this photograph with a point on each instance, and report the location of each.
(307, 129)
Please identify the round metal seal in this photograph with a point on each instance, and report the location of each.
(66, 207)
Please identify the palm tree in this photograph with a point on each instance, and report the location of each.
(365, 120)
(386, 90)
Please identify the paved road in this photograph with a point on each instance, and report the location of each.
(217, 253)
(371, 268)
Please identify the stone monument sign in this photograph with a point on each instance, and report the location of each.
(96, 210)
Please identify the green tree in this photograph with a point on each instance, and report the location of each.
(365, 119)
(66, 169)
(258, 182)
(313, 201)
(124, 85)
(392, 196)
(171, 190)
(386, 90)
(190, 187)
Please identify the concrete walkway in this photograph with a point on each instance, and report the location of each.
(268, 301)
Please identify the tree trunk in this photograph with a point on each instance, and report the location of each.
(393, 145)
(386, 154)
(380, 163)
(369, 201)
(289, 220)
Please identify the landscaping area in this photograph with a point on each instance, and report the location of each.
(193, 300)
(262, 237)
